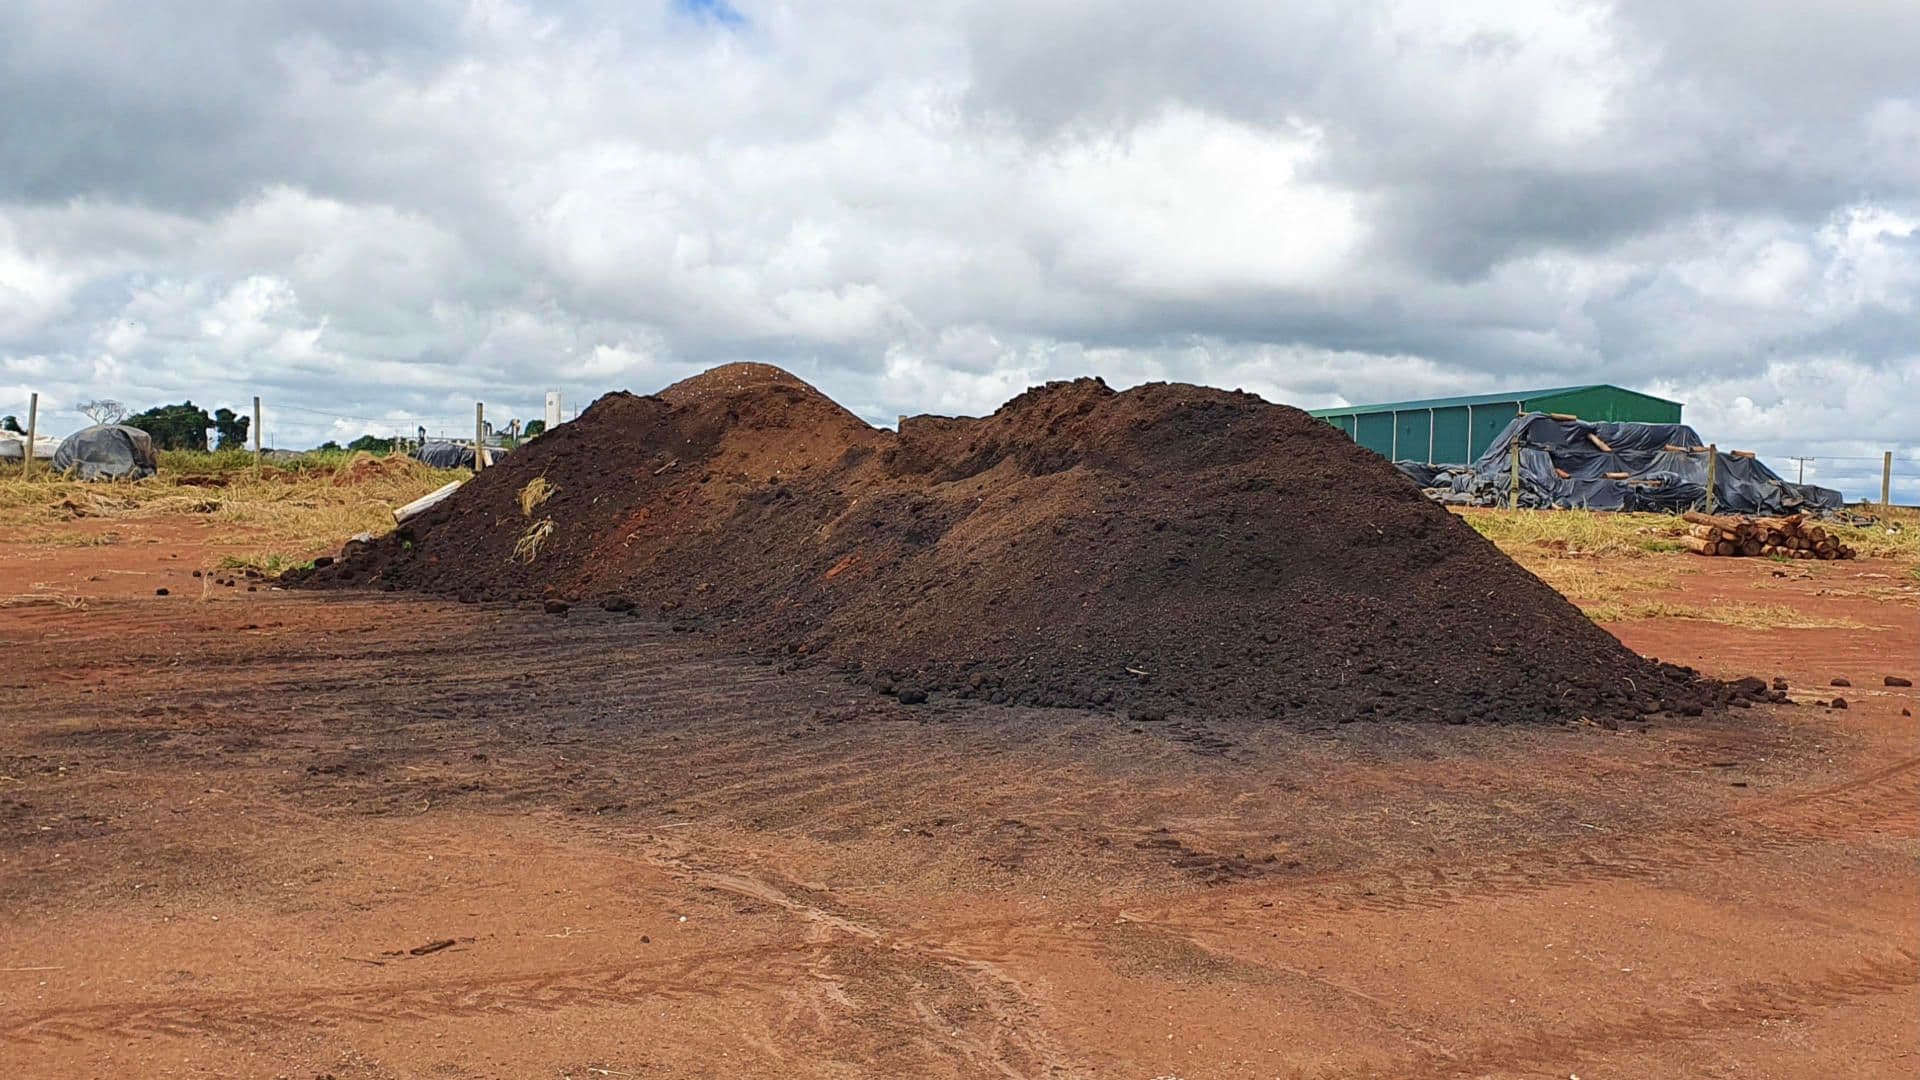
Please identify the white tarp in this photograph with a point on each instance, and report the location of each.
(12, 445)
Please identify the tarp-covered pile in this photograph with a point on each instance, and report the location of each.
(107, 452)
(453, 455)
(1575, 464)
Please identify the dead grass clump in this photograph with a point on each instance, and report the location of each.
(527, 548)
(537, 491)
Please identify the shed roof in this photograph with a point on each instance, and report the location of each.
(1507, 397)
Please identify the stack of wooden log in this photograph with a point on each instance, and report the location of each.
(1732, 534)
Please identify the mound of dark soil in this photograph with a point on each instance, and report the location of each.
(1167, 550)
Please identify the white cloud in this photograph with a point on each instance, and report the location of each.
(393, 213)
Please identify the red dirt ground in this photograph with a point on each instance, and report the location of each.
(229, 820)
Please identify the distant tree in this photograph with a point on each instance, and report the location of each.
(12, 423)
(231, 428)
(328, 445)
(534, 427)
(103, 411)
(174, 427)
(372, 444)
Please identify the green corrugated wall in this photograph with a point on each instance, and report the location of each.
(1488, 422)
(1459, 434)
(1608, 403)
(1451, 445)
(1411, 431)
(1375, 432)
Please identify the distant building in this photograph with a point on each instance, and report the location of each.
(1457, 430)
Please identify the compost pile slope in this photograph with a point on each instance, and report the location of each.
(1168, 550)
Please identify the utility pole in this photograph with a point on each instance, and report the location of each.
(1801, 478)
(1886, 480)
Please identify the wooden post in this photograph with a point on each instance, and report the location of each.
(479, 436)
(1886, 479)
(1713, 472)
(33, 433)
(1513, 480)
(256, 434)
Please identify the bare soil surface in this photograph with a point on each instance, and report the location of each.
(373, 835)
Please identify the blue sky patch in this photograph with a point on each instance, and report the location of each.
(719, 11)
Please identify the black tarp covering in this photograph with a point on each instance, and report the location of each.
(1665, 467)
(107, 452)
(453, 455)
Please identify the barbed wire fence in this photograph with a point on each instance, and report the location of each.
(407, 430)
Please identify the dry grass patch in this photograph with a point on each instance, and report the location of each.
(1587, 584)
(290, 510)
(1731, 613)
(1895, 534)
(1575, 532)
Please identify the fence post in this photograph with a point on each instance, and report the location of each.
(1713, 472)
(1886, 479)
(1513, 480)
(33, 433)
(479, 436)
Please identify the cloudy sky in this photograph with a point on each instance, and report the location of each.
(372, 214)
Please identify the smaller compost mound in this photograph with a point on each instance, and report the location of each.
(1168, 550)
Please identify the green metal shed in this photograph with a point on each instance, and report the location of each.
(1457, 430)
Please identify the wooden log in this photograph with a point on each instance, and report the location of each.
(1599, 442)
(1725, 547)
(1729, 522)
(1742, 454)
(1749, 548)
(1562, 416)
(1618, 475)
(1699, 545)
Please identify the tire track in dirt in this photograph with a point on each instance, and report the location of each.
(1880, 798)
(236, 1015)
(1016, 1043)
(1557, 1049)
(1886, 800)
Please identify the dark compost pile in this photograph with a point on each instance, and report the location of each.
(1166, 550)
